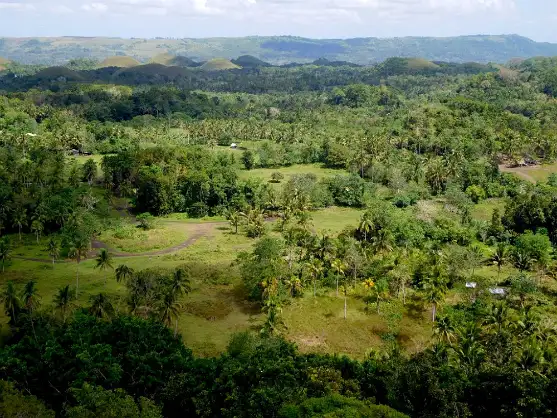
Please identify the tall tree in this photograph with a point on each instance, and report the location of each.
(5, 251)
(53, 249)
(123, 273)
(78, 250)
(30, 297)
(339, 268)
(104, 262)
(169, 310)
(500, 257)
(101, 306)
(434, 290)
(20, 219)
(63, 301)
(37, 227)
(12, 302)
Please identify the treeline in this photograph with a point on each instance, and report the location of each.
(489, 359)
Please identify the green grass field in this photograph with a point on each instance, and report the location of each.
(266, 173)
(217, 307)
(533, 173)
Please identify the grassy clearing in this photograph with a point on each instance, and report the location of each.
(533, 174)
(483, 210)
(217, 308)
(266, 173)
(335, 219)
(127, 237)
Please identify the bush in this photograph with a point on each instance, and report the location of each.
(276, 177)
(476, 193)
(146, 221)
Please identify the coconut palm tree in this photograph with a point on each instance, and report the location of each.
(101, 306)
(500, 257)
(315, 268)
(78, 250)
(445, 330)
(339, 268)
(180, 283)
(37, 227)
(63, 301)
(366, 225)
(169, 310)
(123, 273)
(53, 249)
(104, 261)
(30, 298)
(435, 289)
(12, 302)
(20, 220)
(5, 251)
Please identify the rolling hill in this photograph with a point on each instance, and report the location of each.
(119, 61)
(173, 60)
(277, 49)
(219, 64)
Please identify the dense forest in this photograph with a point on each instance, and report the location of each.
(448, 237)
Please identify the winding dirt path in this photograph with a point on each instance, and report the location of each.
(519, 171)
(201, 230)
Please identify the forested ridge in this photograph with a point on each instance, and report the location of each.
(279, 49)
(413, 210)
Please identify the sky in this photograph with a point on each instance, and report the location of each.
(536, 19)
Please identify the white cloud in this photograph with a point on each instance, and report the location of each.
(95, 7)
(16, 6)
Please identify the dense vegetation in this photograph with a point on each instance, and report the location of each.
(417, 149)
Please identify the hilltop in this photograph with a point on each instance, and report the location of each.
(277, 49)
(119, 61)
(219, 64)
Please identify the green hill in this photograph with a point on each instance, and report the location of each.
(119, 61)
(249, 61)
(173, 60)
(55, 73)
(219, 64)
(151, 71)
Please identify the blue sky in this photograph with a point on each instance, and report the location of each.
(536, 19)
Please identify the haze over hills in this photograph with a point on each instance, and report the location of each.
(278, 49)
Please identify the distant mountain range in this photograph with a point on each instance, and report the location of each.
(278, 49)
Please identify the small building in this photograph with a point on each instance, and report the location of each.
(471, 285)
(233, 145)
(498, 291)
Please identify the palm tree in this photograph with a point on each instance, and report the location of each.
(315, 270)
(5, 251)
(339, 268)
(445, 330)
(101, 306)
(53, 249)
(523, 261)
(104, 262)
(383, 241)
(78, 251)
(12, 302)
(366, 225)
(475, 258)
(37, 227)
(500, 257)
(234, 219)
(20, 219)
(123, 273)
(434, 290)
(30, 298)
(169, 310)
(63, 300)
(180, 284)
